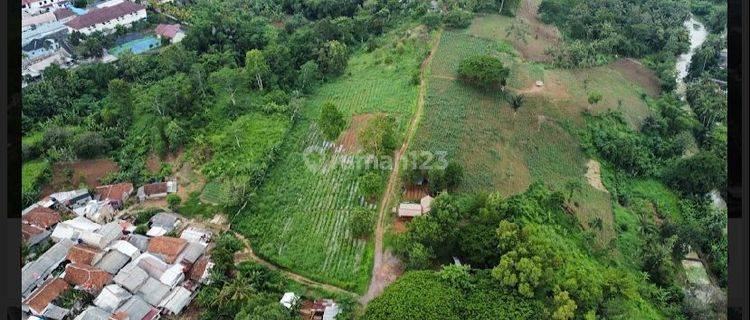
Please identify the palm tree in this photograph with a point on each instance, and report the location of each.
(515, 101)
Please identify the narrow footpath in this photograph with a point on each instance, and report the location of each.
(385, 266)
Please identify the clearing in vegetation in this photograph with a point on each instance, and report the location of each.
(71, 175)
(299, 219)
(502, 150)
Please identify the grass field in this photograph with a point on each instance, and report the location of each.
(33, 175)
(299, 218)
(505, 151)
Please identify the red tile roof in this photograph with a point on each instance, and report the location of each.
(89, 278)
(63, 13)
(167, 247)
(167, 30)
(196, 273)
(41, 217)
(115, 191)
(29, 231)
(83, 254)
(46, 293)
(155, 188)
(102, 15)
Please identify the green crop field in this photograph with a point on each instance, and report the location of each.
(300, 216)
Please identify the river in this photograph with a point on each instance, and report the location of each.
(698, 34)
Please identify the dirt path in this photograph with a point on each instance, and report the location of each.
(248, 254)
(386, 267)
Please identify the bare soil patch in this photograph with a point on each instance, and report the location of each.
(89, 172)
(154, 162)
(638, 73)
(348, 140)
(593, 175)
(399, 225)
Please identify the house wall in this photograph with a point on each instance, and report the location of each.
(110, 25)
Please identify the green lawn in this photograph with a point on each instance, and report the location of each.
(300, 216)
(33, 175)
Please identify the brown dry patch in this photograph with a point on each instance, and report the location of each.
(89, 172)
(594, 175)
(348, 140)
(542, 36)
(154, 162)
(638, 73)
(551, 87)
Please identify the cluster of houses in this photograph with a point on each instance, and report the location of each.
(131, 276)
(46, 25)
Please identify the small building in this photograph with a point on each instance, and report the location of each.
(173, 32)
(104, 236)
(162, 223)
(131, 277)
(325, 309)
(73, 228)
(87, 278)
(115, 194)
(156, 190)
(126, 248)
(166, 248)
(37, 271)
(106, 19)
(112, 297)
(113, 261)
(289, 300)
(409, 210)
(153, 291)
(84, 254)
(201, 270)
(93, 313)
(154, 266)
(41, 217)
(43, 296)
(426, 203)
(191, 253)
(136, 308)
(176, 300)
(31, 235)
(97, 211)
(194, 234)
(139, 241)
(72, 199)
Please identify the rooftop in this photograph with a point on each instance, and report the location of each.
(166, 247)
(45, 294)
(118, 191)
(84, 254)
(102, 15)
(89, 278)
(41, 217)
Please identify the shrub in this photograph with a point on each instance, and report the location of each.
(485, 72)
(173, 201)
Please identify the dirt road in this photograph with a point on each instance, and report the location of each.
(386, 267)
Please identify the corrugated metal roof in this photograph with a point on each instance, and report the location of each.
(112, 297)
(113, 261)
(177, 299)
(135, 308)
(33, 273)
(93, 313)
(131, 277)
(153, 291)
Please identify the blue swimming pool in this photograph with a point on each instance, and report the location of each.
(137, 46)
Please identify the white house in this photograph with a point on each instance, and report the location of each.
(29, 7)
(107, 18)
